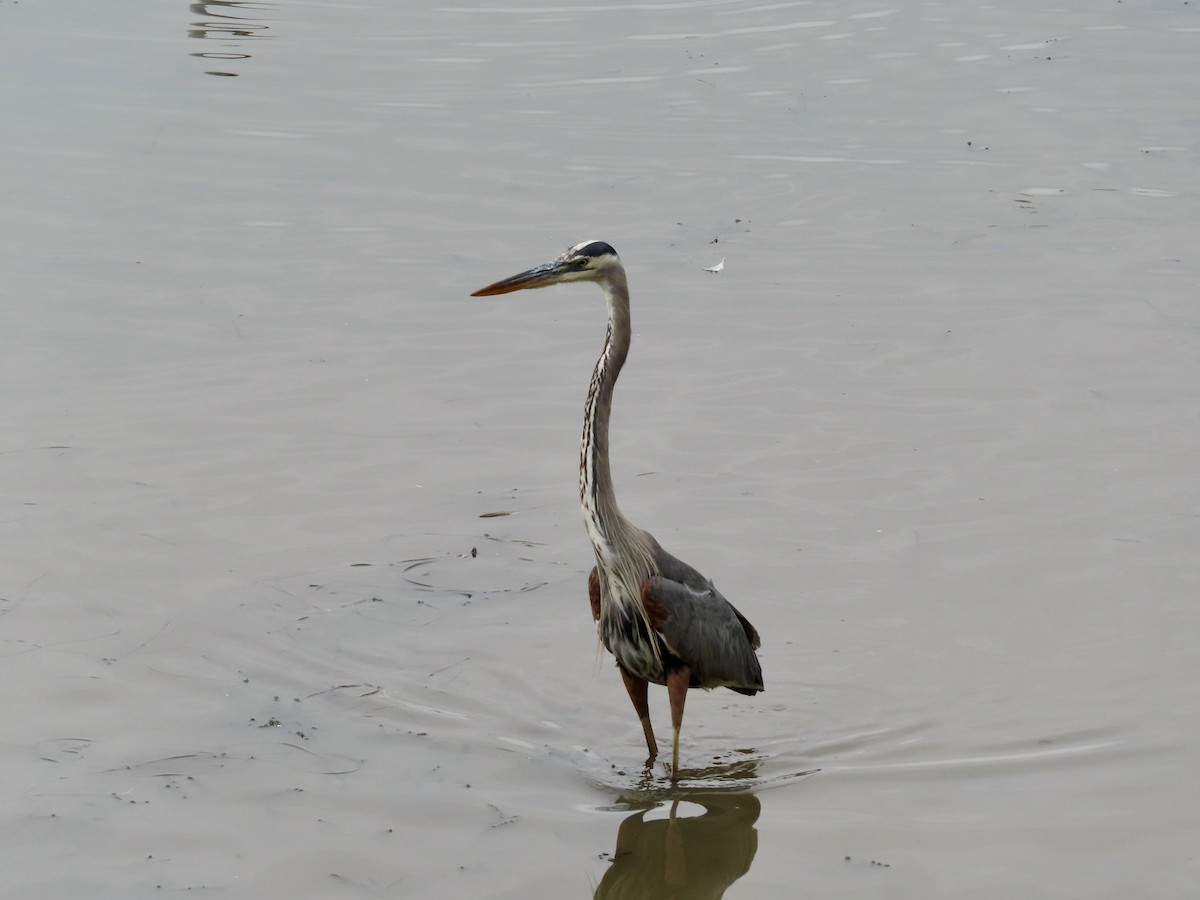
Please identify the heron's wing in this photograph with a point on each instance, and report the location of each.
(704, 630)
(677, 570)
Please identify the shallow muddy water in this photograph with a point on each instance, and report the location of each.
(293, 592)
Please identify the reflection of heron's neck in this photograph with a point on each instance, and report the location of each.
(604, 520)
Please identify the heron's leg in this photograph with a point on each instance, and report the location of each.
(677, 688)
(638, 689)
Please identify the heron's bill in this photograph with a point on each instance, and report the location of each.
(539, 276)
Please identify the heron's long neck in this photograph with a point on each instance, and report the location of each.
(605, 523)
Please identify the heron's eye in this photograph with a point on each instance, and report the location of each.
(581, 263)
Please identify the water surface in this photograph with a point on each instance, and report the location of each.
(933, 428)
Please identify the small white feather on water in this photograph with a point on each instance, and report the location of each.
(719, 267)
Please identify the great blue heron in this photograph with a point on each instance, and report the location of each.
(662, 620)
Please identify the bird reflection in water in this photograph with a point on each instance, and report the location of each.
(230, 22)
(683, 856)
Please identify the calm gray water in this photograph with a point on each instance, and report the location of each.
(933, 428)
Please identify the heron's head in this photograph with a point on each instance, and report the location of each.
(589, 261)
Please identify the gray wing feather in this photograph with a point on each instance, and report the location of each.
(704, 630)
(676, 569)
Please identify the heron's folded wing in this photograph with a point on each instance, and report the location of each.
(704, 630)
(675, 569)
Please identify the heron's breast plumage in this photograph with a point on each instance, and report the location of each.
(627, 635)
